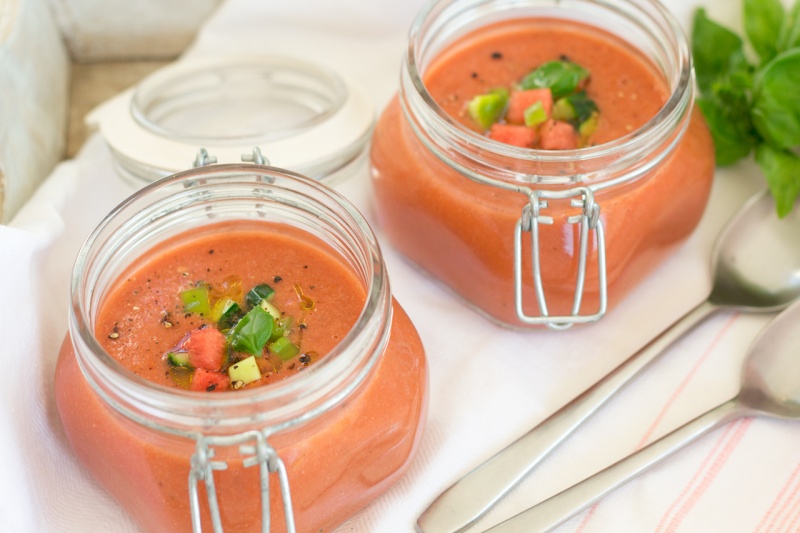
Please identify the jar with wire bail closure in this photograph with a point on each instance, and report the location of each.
(528, 236)
(290, 455)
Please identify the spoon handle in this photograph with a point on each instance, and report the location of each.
(472, 496)
(557, 509)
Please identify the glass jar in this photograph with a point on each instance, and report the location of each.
(528, 236)
(306, 452)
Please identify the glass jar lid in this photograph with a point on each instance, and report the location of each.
(302, 116)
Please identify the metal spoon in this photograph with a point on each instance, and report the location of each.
(756, 265)
(770, 387)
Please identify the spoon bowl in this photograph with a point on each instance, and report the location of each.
(755, 265)
(771, 372)
(770, 386)
(756, 268)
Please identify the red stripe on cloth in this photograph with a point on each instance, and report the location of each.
(795, 523)
(708, 351)
(714, 342)
(790, 512)
(710, 476)
(588, 518)
(702, 468)
(771, 517)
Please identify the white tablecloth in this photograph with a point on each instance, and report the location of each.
(488, 385)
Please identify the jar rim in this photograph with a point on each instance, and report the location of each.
(296, 399)
(163, 101)
(228, 103)
(681, 96)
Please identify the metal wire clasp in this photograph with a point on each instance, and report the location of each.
(203, 158)
(257, 451)
(589, 219)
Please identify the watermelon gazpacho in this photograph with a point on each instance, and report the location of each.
(235, 311)
(504, 108)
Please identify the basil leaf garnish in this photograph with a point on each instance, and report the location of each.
(252, 332)
(561, 77)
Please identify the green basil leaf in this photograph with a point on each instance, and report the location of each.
(782, 170)
(732, 139)
(776, 106)
(790, 30)
(716, 50)
(252, 332)
(762, 24)
(561, 77)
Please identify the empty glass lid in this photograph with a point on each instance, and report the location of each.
(301, 116)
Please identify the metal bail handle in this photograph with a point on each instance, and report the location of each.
(589, 219)
(261, 454)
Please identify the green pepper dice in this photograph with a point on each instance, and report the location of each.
(195, 300)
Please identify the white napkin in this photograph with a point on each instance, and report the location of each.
(487, 385)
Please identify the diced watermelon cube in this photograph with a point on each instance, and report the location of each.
(557, 135)
(522, 100)
(206, 348)
(522, 136)
(206, 381)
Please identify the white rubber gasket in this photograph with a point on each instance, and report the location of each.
(314, 121)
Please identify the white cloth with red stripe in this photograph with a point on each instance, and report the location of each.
(488, 385)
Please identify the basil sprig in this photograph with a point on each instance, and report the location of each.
(753, 106)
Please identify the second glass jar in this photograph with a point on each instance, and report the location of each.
(531, 237)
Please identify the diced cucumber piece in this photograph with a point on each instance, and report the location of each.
(230, 313)
(222, 306)
(245, 371)
(284, 348)
(589, 125)
(178, 358)
(258, 293)
(229, 318)
(486, 109)
(195, 300)
(563, 110)
(271, 309)
(583, 105)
